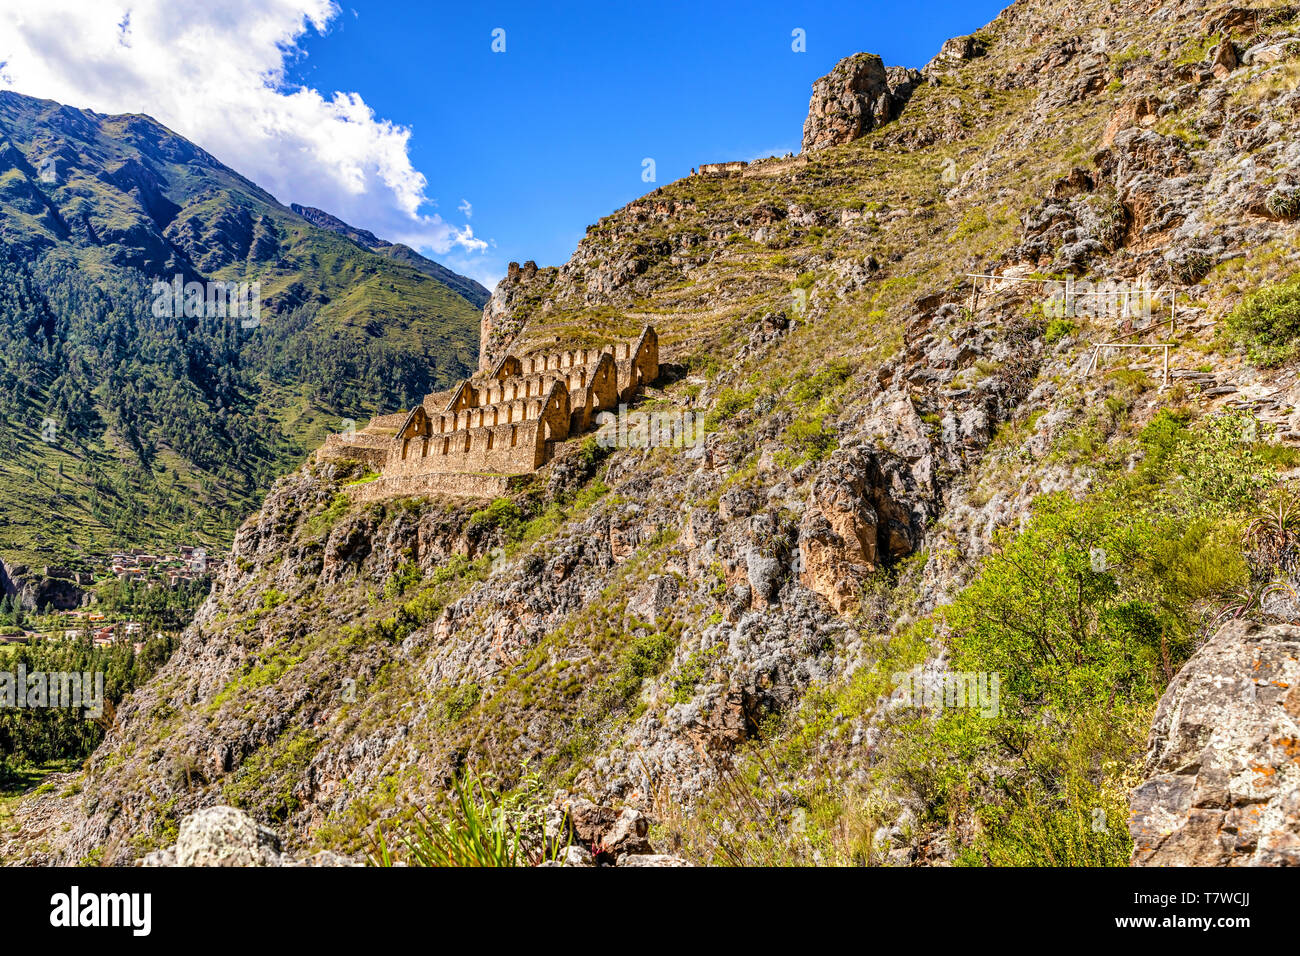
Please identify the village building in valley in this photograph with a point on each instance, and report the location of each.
(497, 424)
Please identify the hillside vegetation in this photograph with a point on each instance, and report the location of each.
(120, 427)
(903, 475)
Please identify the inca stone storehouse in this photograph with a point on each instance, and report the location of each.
(503, 422)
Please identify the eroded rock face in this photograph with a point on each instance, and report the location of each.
(1223, 785)
(853, 526)
(956, 50)
(859, 95)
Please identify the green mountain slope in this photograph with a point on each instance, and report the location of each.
(470, 289)
(121, 427)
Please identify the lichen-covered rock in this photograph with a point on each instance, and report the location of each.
(1223, 785)
(225, 836)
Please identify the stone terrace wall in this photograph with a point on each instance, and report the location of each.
(638, 364)
(418, 486)
(370, 449)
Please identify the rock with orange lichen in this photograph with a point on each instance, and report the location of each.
(1223, 785)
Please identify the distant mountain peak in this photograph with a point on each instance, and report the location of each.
(472, 291)
(319, 217)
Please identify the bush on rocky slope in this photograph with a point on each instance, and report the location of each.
(1267, 324)
(1084, 614)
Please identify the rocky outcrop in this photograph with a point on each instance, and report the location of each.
(1223, 769)
(224, 836)
(596, 835)
(854, 525)
(859, 95)
(500, 325)
(34, 589)
(955, 50)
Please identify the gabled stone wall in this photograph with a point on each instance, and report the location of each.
(500, 424)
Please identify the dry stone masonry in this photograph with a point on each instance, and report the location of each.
(497, 424)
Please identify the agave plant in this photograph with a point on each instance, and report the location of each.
(1274, 532)
(1248, 599)
(478, 828)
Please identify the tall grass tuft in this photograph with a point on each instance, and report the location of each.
(480, 828)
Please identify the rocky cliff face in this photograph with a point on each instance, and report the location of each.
(37, 589)
(658, 627)
(859, 95)
(1223, 786)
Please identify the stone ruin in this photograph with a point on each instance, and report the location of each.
(497, 424)
(732, 167)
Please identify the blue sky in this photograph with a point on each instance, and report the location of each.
(551, 134)
(397, 116)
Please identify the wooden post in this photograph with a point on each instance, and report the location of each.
(1166, 384)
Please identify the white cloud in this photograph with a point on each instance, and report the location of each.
(214, 71)
(466, 208)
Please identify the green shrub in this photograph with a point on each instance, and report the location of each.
(807, 439)
(503, 515)
(1057, 329)
(591, 452)
(728, 403)
(461, 700)
(1267, 324)
(815, 387)
(643, 657)
(406, 576)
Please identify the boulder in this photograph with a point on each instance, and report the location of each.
(1224, 59)
(225, 836)
(852, 526)
(629, 834)
(1223, 767)
(588, 820)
